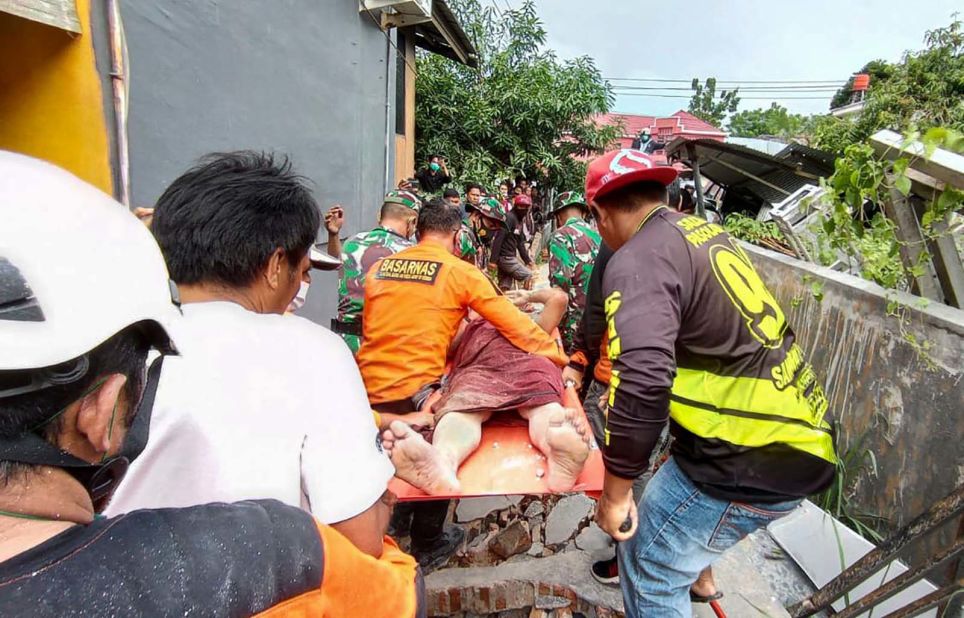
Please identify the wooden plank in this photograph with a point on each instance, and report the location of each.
(943, 165)
(945, 259)
(57, 13)
(899, 210)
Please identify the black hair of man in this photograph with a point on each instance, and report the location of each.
(220, 221)
(635, 196)
(473, 185)
(438, 217)
(124, 353)
(395, 212)
(673, 193)
(450, 192)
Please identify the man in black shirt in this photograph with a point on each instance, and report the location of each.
(695, 336)
(509, 252)
(434, 176)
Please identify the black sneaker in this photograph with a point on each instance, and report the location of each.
(438, 554)
(606, 572)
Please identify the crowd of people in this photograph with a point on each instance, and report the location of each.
(174, 438)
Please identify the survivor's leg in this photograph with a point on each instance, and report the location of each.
(418, 462)
(432, 467)
(563, 436)
(458, 434)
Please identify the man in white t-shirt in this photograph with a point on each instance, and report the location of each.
(258, 404)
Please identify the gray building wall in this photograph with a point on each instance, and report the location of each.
(903, 404)
(301, 77)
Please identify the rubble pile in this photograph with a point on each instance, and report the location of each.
(523, 557)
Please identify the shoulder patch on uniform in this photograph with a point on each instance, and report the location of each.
(402, 269)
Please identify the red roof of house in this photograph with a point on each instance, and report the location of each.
(682, 122)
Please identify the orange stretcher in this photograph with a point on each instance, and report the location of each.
(507, 463)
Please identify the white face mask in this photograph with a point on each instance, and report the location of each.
(299, 300)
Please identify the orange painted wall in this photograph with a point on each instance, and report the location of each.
(405, 142)
(51, 100)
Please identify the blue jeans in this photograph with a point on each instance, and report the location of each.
(681, 531)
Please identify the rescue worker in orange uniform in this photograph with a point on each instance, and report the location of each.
(415, 302)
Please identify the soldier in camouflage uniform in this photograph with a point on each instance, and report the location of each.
(572, 252)
(481, 223)
(396, 224)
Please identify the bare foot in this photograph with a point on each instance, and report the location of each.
(568, 440)
(417, 462)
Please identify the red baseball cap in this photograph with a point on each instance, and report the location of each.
(522, 200)
(620, 168)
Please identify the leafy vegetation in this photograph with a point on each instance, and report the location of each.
(853, 463)
(775, 121)
(707, 106)
(853, 225)
(764, 233)
(523, 111)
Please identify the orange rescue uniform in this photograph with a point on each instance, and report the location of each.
(356, 584)
(414, 302)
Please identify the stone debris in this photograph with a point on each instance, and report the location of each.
(592, 538)
(470, 509)
(536, 550)
(565, 519)
(515, 539)
(535, 508)
(477, 553)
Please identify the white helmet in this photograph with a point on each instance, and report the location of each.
(75, 268)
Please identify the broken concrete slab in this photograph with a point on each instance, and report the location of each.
(566, 517)
(592, 538)
(470, 509)
(746, 592)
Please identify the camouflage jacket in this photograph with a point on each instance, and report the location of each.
(572, 252)
(471, 248)
(358, 254)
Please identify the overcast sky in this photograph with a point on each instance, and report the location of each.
(736, 40)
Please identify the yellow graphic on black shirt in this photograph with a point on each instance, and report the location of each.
(764, 317)
(613, 349)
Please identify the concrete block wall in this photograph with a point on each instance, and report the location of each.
(904, 404)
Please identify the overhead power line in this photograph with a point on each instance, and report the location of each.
(740, 88)
(730, 81)
(682, 96)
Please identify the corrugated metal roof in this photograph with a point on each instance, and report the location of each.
(751, 176)
(443, 35)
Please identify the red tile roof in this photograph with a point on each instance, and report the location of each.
(681, 123)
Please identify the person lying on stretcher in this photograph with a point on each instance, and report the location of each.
(489, 376)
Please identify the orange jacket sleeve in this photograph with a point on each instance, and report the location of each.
(517, 327)
(356, 584)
